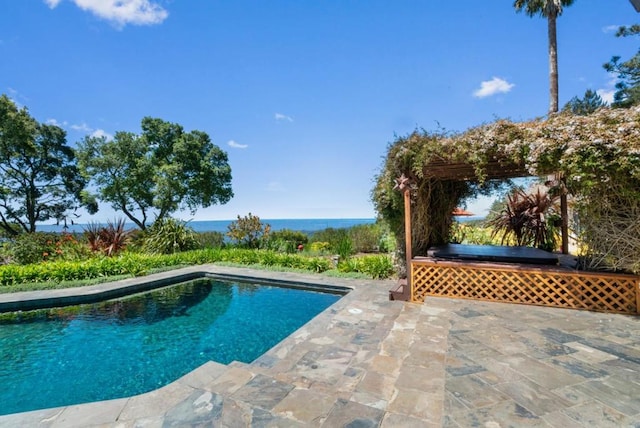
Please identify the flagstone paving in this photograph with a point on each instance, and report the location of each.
(370, 362)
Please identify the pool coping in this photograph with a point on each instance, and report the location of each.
(45, 299)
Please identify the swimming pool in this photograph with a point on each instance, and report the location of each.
(62, 356)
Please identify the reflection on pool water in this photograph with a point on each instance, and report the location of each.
(119, 348)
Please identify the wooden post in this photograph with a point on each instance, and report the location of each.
(564, 213)
(557, 180)
(407, 292)
(638, 295)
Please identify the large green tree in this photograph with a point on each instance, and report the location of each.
(628, 87)
(586, 105)
(162, 170)
(39, 177)
(551, 10)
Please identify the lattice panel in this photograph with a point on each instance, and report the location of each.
(564, 289)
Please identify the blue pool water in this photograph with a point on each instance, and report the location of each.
(124, 347)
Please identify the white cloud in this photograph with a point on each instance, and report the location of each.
(492, 87)
(280, 116)
(275, 186)
(83, 127)
(606, 95)
(55, 122)
(52, 3)
(121, 12)
(610, 28)
(17, 97)
(101, 133)
(235, 145)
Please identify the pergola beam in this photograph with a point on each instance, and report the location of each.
(494, 169)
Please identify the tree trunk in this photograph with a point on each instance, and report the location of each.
(553, 108)
(553, 65)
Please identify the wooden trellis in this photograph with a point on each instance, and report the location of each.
(525, 284)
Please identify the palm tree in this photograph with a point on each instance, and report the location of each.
(549, 9)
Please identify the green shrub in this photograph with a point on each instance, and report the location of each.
(248, 231)
(32, 247)
(464, 233)
(330, 235)
(295, 236)
(5, 253)
(320, 247)
(365, 237)
(210, 239)
(136, 264)
(344, 248)
(169, 236)
(374, 266)
(38, 247)
(387, 242)
(280, 246)
(286, 240)
(377, 266)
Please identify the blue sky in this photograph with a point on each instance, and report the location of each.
(304, 96)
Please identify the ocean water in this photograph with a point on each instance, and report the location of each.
(304, 225)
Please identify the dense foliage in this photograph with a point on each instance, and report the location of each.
(286, 240)
(135, 264)
(589, 103)
(160, 171)
(594, 153)
(44, 260)
(248, 231)
(628, 73)
(110, 239)
(528, 219)
(39, 179)
(169, 235)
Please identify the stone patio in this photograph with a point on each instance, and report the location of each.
(368, 362)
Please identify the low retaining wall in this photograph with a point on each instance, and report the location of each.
(525, 284)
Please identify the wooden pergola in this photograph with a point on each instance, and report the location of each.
(514, 283)
(495, 169)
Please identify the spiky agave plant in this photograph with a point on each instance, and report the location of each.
(109, 239)
(168, 236)
(528, 219)
(114, 237)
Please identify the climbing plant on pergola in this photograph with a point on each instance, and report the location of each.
(598, 157)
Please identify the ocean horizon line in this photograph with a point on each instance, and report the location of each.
(300, 224)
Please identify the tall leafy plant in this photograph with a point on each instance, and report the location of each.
(248, 231)
(110, 239)
(528, 219)
(168, 236)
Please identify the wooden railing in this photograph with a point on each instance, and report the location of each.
(526, 284)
